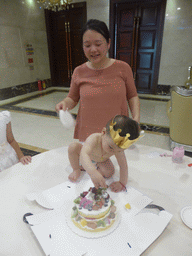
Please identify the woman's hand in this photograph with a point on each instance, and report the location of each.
(25, 159)
(65, 104)
(61, 105)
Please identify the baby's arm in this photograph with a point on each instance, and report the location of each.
(85, 159)
(10, 138)
(121, 184)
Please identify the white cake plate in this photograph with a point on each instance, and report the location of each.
(86, 234)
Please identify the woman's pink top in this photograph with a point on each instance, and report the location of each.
(102, 94)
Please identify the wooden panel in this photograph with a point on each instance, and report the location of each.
(125, 40)
(126, 17)
(124, 57)
(125, 33)
(65, 47)
(137, 28)
(149, 16)
(143, 81)
(77, 52)
(145, 61)
(147, 39)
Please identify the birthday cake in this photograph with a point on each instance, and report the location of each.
(94, 210)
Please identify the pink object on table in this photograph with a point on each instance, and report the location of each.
(178, 154)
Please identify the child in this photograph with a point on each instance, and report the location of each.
(10, 152)
(118, 135)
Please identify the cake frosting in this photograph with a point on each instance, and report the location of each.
(94, 210)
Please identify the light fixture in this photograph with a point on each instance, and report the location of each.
(55, 5)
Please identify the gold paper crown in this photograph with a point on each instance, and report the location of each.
(122, 142)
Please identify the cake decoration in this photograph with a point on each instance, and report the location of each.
(94, 210)
(128, 206)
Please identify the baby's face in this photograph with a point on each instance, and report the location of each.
(109, 146)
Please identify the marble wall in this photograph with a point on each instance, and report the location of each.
(22, 22)
(176, 55)
(22, 27)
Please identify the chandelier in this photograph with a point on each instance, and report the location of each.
(55, 5)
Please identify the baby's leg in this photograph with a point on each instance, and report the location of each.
(106, 168)
(73, 154)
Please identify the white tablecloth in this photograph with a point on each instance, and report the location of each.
(167, 183)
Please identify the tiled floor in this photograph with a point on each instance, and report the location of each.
(36, 126)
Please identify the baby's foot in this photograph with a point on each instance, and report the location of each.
(74, 175)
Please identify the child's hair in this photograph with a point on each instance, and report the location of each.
(126, 124)
(98, 26)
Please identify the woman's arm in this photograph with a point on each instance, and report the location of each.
(131, 93)
(11, 140)
(65, 104)
(134, 105)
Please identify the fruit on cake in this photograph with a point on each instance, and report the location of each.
(94, 210)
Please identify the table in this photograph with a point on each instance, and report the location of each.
(168, 184)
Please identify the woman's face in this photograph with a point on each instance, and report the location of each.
(95, 46)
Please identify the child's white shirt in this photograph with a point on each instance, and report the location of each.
(8, 156)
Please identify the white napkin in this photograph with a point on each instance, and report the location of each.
(66, 119)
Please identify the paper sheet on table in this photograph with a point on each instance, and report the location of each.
(136, 231)
(133, 236)
(57, 240)
(54, 197)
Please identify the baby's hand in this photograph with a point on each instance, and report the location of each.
(25, 159)
(98, 180)
(116, 186)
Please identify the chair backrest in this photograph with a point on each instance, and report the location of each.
(181, 118)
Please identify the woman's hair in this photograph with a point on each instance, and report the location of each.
(98, 26)
(126, 124)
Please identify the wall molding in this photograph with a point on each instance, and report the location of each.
(17, 90)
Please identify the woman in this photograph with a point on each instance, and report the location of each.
(102, 85)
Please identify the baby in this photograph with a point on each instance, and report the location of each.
(94, 155)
